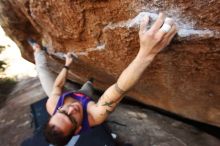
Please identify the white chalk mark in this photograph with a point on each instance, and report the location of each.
(185, 29)
(81, 53)
(62, 55)
(98, 48)
(201, 33)
(59, 55)
(85, 53)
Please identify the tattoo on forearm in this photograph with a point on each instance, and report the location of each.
(109, 104)
(108, 108)
(118, 89)
(108, 111)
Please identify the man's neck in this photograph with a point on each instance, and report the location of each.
(69, 100)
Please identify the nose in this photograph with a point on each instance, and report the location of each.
(71, 109)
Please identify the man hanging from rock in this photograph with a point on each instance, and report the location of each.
(75, 112)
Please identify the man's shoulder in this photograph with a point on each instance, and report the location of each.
(91, 105)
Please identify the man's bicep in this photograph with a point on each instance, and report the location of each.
(106, 104)
(53, 99)
(57, 91)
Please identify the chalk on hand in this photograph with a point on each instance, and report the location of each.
(73, 55)
(168, 21)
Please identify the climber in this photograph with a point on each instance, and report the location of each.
(74, 112)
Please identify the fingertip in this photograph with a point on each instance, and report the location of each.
(145, 19)
(173, 29)
(161, 15)
(169, 20)
(177, 28)
(144, 22)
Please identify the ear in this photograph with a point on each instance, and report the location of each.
(77, 130)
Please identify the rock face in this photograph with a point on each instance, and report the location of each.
(183, 79)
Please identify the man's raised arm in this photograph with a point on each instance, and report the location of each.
(58, 85)
(152, 41)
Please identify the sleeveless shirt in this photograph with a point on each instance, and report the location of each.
(84, 100)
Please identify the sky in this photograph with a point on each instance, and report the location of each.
(18, 67)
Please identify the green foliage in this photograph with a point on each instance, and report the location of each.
(2, 48)
(2, 66)
(6, 86)
(2, 63)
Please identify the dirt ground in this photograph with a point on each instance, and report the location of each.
(133, 124)
(15, 117)
(141, 126)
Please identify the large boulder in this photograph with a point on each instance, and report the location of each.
(183, 79)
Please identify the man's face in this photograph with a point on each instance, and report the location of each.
(68, 117)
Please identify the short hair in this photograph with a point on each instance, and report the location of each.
(55, 136)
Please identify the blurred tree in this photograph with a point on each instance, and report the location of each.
(2, 66)
(2, 63)
(6, 84)
(2, 48)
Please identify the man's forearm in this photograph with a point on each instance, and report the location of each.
(61, 78)
(133, 72)
(114, 93)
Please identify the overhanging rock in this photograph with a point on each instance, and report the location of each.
(183, 79)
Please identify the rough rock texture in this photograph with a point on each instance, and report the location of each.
(183, 79)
